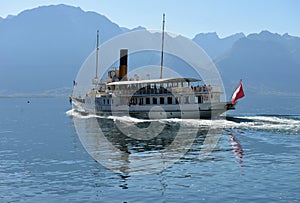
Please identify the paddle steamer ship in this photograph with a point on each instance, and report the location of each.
(153, 98)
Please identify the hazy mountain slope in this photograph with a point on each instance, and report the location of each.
(268, 63)
(214, 46)
(47, 44)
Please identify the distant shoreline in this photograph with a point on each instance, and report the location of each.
(33, 96)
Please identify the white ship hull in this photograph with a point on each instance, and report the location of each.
(182, 111)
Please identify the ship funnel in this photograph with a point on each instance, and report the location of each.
(123, 64)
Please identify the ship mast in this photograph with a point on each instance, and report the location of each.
(162, 47)
(95, 81)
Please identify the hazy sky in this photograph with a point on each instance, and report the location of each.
(186, 17)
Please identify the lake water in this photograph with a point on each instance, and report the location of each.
(49, 153)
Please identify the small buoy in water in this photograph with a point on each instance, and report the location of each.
(28, 102)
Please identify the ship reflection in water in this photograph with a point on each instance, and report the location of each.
(133, 146)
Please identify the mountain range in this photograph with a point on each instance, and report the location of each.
(43, 48)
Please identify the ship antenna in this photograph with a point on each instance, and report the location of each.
(162, 47)
(97, 53)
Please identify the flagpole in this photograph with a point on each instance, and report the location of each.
(162, 47)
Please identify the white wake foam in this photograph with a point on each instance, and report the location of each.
(275, 124)
(82, 115)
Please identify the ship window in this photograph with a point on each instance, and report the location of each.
(161, 100)
(169, 100)
(186, 100)
(107, 101)
(103, 101)
(200, 99)
(147, 100)
(154, 100)
(177, 100)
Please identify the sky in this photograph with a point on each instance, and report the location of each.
(185, 17)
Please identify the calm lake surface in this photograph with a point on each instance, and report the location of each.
(48, 153)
